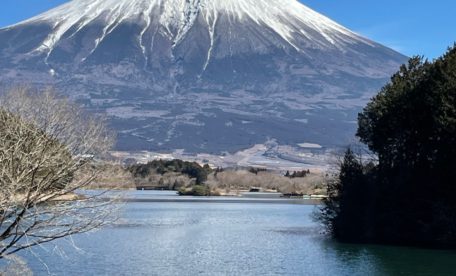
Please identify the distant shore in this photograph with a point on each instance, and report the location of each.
(133, 195)
(218, 199)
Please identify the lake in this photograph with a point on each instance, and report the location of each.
(162, 235)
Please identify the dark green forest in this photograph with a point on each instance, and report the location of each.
(405, 193)
(191, 169)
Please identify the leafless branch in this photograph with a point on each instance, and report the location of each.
(45, 141)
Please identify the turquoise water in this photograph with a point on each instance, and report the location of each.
(211, 238)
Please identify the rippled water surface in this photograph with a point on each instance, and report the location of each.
(240, 238)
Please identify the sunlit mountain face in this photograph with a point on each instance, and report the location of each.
(202, 75)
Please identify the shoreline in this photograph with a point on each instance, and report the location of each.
(222, 200)
(135, 196)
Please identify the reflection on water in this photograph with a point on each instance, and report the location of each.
(189, 238)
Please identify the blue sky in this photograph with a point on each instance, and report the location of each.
(413, 27)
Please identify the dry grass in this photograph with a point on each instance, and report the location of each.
(235, 181)
(228, 182)
(112, 176)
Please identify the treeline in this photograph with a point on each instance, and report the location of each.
(192, 169)
(295, 174)
(191, 178)
(407, 194)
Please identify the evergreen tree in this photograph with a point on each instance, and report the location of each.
(411, 127)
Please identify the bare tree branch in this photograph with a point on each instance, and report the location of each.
(48, 148)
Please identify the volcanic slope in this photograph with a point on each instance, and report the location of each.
(202, 75)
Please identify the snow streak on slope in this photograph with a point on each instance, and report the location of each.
(211, 20)
(248, 69)
(287, 18)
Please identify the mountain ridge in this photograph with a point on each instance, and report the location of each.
(178, 64)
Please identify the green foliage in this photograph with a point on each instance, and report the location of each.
(197, 190)
(192, 169)
(408, 197)
(297, 174)
(256, 170)
(346, 209)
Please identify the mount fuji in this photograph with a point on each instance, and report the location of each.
(202, 75)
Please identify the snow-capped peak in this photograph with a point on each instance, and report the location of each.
(287, 18)
(173, 71)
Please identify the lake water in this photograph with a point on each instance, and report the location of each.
(226, 238)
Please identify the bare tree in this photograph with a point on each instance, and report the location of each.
(15, 266)
(45, 142)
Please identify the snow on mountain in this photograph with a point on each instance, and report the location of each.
(283, 16)
(169, 72)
